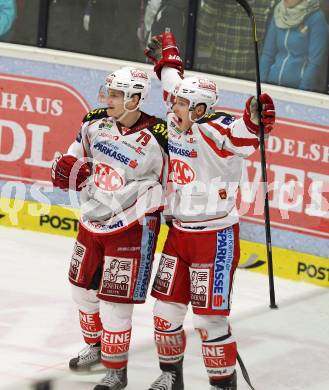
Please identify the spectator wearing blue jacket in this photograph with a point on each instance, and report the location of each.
(7, 16)
(295, 52)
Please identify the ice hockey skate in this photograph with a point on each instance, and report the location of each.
(171, 377)
(229, 383)
(115, 379)
(87, 358)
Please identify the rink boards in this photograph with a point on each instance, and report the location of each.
(54, 219)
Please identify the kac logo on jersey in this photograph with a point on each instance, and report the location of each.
(107, 178)
(181, 172)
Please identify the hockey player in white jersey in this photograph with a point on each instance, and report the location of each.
(117, 163)
(201, 253)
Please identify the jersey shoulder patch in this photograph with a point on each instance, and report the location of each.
(96, 114)
(226, 118)
(160, 132)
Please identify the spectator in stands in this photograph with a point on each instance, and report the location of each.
(295, 52)
(224, 39)
(158, 15)
(7, 17)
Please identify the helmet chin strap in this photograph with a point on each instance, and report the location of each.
(127, 110)
(194, 120)
(190, 116)
(130, 110)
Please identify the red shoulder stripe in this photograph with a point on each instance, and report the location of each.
(236, 141)
(221, 129)
(220, 152)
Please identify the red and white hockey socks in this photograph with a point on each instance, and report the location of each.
(115, 348)
(169, 335)
(170, 345)
(91, 327)
(219, 349)
(116, 319)
(88, 305)
(219, 356)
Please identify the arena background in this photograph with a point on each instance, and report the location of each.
(44, 93)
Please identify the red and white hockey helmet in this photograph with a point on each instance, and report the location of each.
(196, 91)
(128, 80)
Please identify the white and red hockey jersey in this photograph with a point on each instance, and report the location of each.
(205, 167)
(127, 168)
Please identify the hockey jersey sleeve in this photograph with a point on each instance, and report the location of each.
(170, 78)
(79, 148)
(224, 132)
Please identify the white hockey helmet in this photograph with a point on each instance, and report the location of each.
(197, 91)
(130, 81)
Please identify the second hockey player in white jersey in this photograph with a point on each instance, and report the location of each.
(201, 253)
(117, 163)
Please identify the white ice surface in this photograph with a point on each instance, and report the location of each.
(284, 349)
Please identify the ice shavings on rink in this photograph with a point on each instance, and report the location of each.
(284, 349)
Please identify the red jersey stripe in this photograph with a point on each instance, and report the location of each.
(236, 141)
(222, 130)
(220, 152)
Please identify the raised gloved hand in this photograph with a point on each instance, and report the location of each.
(250, 115)
(163, 51)
(66, 165)
(153, 50)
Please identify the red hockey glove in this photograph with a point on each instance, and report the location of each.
(153, 51)
(66, 165)
(168, 56)
(250, 115)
